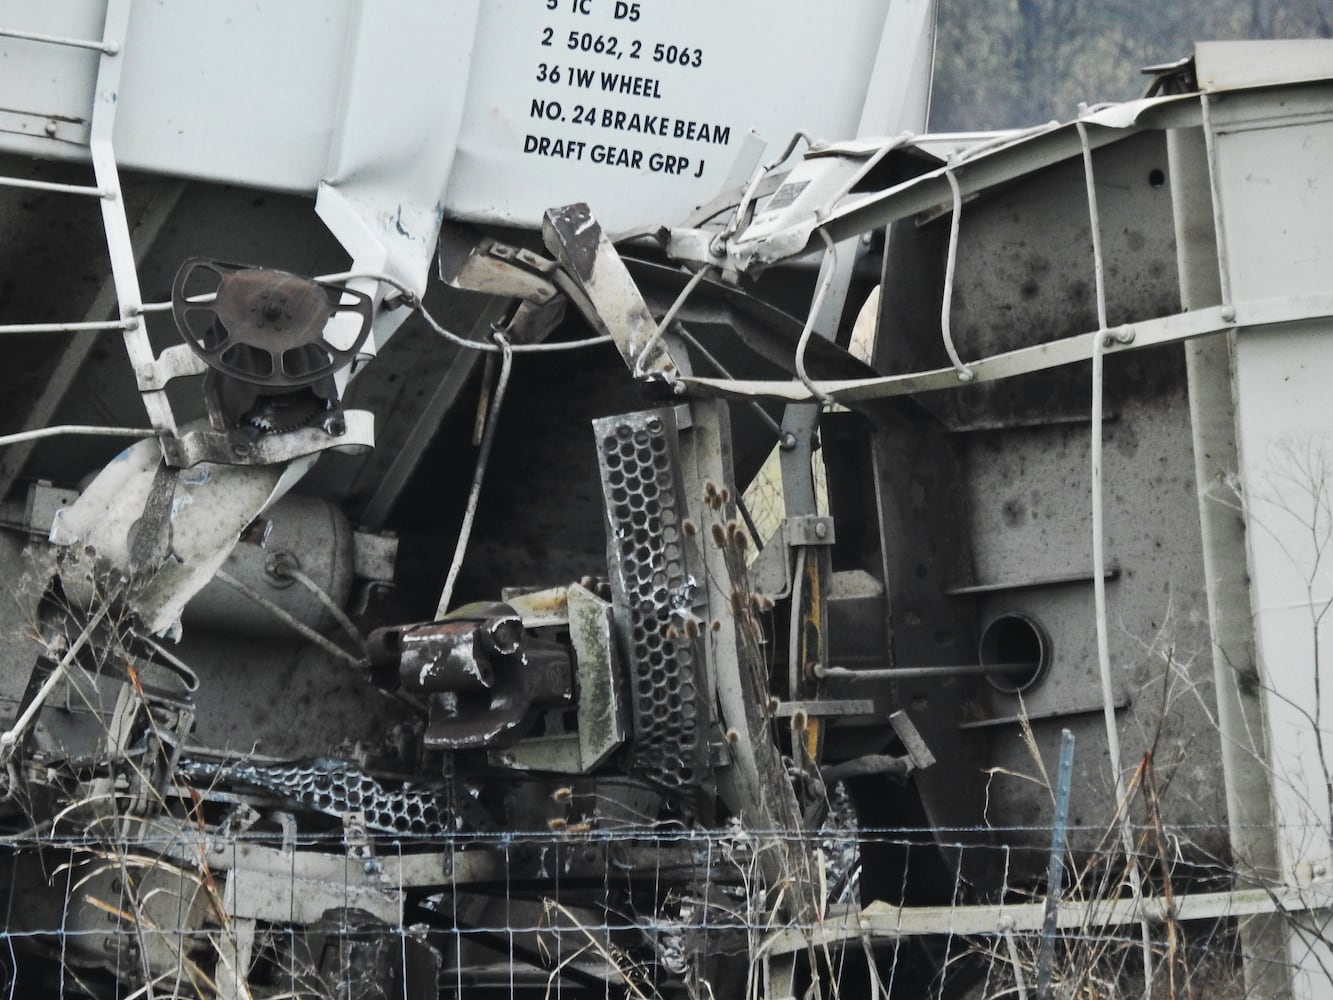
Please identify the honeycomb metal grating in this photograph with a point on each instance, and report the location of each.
(653, 593)
(337, 788)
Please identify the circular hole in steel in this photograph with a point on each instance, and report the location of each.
(1015, 653)
(1156, 178)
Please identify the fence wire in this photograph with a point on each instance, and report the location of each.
(173, 910)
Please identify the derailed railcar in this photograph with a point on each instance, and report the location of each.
(296, 715)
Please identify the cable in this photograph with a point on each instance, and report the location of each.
(1100, 342)
(483, 455)
(795, 669)
(410, 298)
(282, 615)
(285, 569)
(477, 345)
(828, 269)
(667, 320)
(9, 738)
(88, 429)
(965, 374)
(184, 673)
(693, 342)
(739, 218)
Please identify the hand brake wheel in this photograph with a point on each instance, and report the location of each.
(264, 327)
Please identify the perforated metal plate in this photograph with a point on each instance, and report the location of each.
(654, 591)
(337, 788)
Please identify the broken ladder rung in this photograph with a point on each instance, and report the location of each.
(86, 190)
(107, 48)
(111, 324)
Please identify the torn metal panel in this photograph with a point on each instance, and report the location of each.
(617, 307)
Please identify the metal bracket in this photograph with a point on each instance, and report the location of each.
(222, 448)
(615, 306)
(808, 530)
(174, 362)
(477, 263)
(912, 741)
(830, 708)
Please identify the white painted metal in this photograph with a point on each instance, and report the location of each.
(1242, 729)
(1275, 202)
(401, 111)
(640, 150)
(120, 248)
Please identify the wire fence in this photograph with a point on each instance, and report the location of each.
(162, 908)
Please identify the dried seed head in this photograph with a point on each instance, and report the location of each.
(773, 704)
(556, 823)
(563, 794)
(799, 721)
(717, 625)
(725, 495)
(765, 602)
(719, 534)
(733, 737)
(691, 628)
(687, 526)
(579, 828)
(710, 491)
(741, 540)
(671, 632)
(737, 599)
